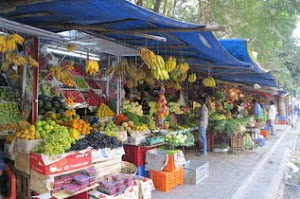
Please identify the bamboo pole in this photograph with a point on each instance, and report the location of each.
(104, 30)
(27, 15)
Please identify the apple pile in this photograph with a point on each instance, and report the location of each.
(75, 95)
(93, 99)
(78, 71)
(92, 84)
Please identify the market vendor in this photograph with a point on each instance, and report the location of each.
(235, 110)
(257, 109)
(203, 124)
(2, 165)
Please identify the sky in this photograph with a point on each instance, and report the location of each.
(296, 32)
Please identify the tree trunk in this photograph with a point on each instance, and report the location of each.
(139, 2)
(157, 6)
(165, 7)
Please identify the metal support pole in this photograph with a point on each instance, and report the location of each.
(35, 79)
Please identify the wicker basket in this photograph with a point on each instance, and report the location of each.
(128, 168)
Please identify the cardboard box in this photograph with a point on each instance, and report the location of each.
(22, 162)
(65, 163)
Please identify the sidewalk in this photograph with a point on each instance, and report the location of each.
(227, 173)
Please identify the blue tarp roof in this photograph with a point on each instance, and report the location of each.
(238, 48)
(122, 15)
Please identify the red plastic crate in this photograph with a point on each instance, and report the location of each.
(165, 181)
(136, 154)
(13, 184)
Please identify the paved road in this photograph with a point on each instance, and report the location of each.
(227, 173)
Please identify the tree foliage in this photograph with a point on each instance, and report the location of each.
(269, 23)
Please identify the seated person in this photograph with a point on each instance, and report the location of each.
(2, 168)
(235, 110)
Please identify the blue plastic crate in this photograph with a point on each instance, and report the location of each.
(142, 171)
(279, 117)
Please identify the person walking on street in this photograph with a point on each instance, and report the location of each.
(271, 117)
(203, 124)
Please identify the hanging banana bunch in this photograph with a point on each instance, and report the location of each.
(13, 75)
(9, 43)
(209, 82)
(184, 67)
(32, 62)
(148, 57)
(62, 75)
(171, 64)
(120, 68)
(177, 86)
(192, 78)
(91, 67)
(16, 59)
(71, 47)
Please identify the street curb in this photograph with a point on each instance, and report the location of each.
(243, 187)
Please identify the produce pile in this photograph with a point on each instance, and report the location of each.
(175, 108)
(96, 140)
(6, 94)
(93, 99)
(132, 107)
(57, 141)
(104, 111)
(74, 95)
(180, 139)
(9, 113)
(81, 83)
(107, 126)
(47, 103)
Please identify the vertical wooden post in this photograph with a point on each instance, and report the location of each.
(35, 79)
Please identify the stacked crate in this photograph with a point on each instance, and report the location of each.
(169, 178)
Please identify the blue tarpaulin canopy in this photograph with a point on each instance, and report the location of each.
(116, 19)
(239, 49)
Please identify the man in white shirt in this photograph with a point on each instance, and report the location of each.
(271, 117)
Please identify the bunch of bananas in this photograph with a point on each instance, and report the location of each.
(171, 64)
(62, 75)
(149, 79)
(159, 70)
(70, 47)
(32, 62)
(136, 73)
(69, 101)
(9, 43)
(182, 77)
(69, 113)
(148, 57)
(192, 78)
(91, 67)
(184, 67)
(121, 68)
(16, 59)
(209, 82)
(13, 75)
(177, 86)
